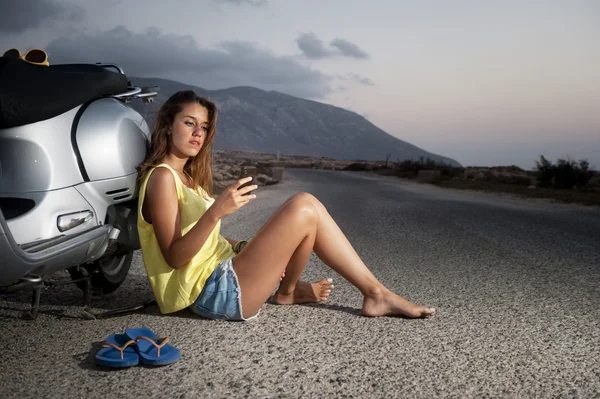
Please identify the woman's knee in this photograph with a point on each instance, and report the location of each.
(303, 208)
(306, 197)
(312, 199)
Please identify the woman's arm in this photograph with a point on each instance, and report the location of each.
(163, 207)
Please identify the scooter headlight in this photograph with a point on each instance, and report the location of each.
(70, 220)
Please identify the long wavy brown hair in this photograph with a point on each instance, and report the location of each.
(198, 167)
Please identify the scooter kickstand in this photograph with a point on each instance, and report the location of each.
(37, 284)
(87, 299)
(35, 300)
(32, 313)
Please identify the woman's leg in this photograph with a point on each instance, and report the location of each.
(261, 263)
(291, 290)
(271, 251)
(334, 249)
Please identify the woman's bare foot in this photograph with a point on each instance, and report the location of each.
(305, 293)
(386, 303)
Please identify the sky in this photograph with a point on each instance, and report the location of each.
(487, 83)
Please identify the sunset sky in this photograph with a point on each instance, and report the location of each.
(486, 83)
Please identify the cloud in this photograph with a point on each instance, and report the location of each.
(155, 54)
(18, 16)
(349, 49)
(357, 78)
(362, 80)
(313, 47)
(254, 3)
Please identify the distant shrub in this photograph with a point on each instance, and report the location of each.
(508, 169)
(564, 174)
(410, 168)
(517, 180)
(594, 181)
(451, 171)
(357, 167)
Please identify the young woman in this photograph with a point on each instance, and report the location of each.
(190, 264)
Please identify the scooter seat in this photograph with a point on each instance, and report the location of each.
(32, 93)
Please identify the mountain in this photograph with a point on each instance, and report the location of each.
(267, 121)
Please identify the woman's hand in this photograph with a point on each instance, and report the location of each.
(232, 199)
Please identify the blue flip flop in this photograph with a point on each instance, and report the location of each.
(117, 351)
(152, 350)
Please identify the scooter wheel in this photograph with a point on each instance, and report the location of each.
(108, 272)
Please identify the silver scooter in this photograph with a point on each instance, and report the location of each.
(70, 145)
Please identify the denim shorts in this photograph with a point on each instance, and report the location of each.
(221, 296)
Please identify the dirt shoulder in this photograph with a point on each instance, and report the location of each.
(582, 197)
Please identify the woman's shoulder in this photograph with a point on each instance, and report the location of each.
(160, 175)
(161, 178)
(148, 170)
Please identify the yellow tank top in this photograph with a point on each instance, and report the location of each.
(176, 289)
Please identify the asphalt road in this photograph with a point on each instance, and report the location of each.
(516, 285)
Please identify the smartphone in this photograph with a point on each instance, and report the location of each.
(246, 172)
